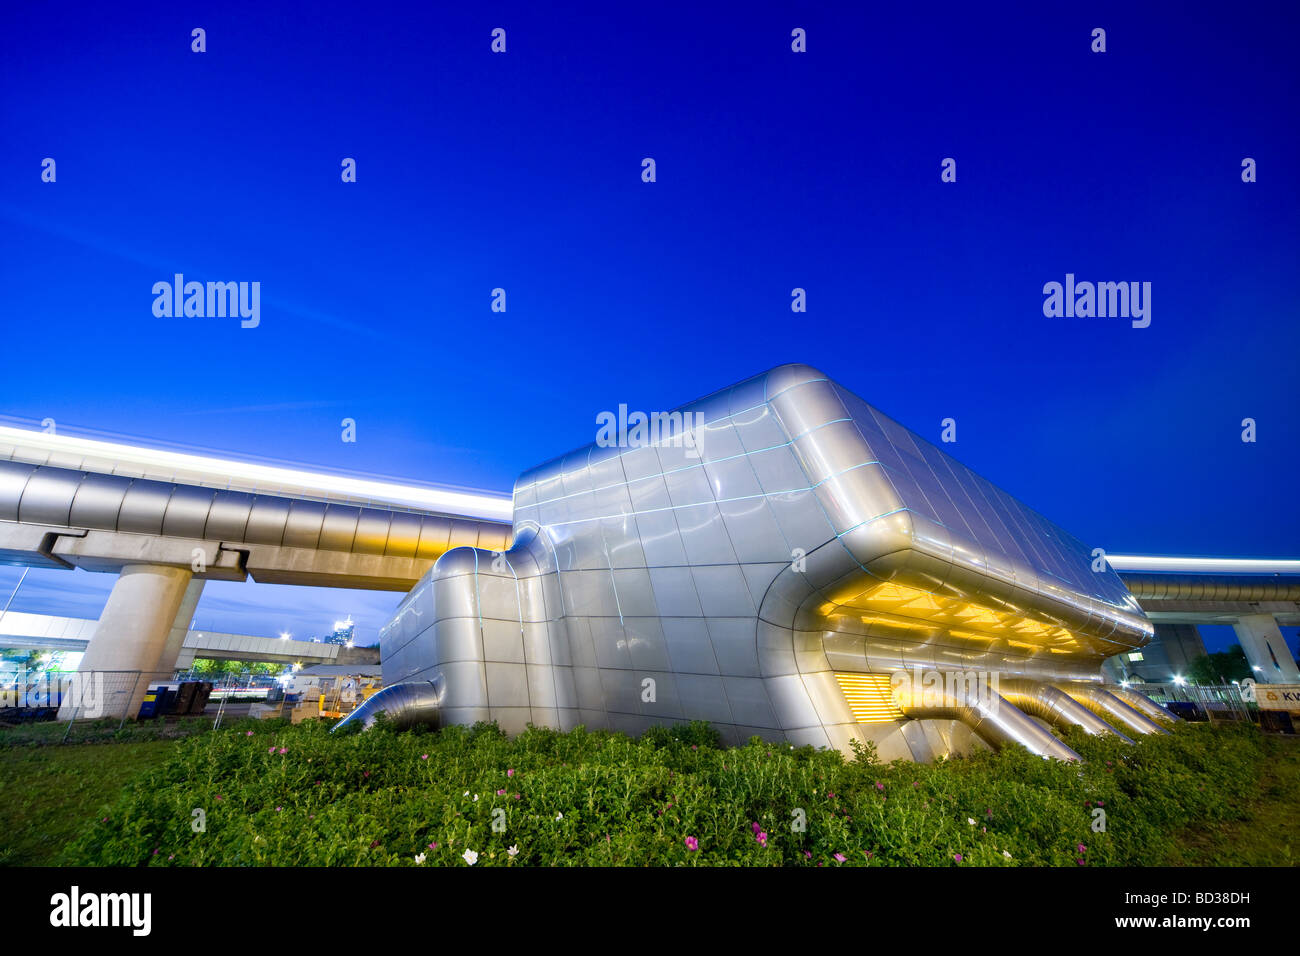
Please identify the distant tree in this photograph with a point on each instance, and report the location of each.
(207, 667)
(1217, 668)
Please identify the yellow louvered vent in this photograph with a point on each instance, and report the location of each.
(869, 697)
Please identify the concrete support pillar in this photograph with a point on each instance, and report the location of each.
(169, 660)
(1266, 651)
(131, 636)
(1170, 653)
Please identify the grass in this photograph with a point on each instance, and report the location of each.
(1206, 796)
(46, 732)
(50, 793)
(1268, 832)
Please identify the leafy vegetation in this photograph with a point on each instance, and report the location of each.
(1220, 668)
(271, 794)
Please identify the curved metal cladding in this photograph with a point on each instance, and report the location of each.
(1054, 706)
(992, 719)
(1110, 708)
(44, 495)
(1144, 704)
(404, 705)
(795, 534)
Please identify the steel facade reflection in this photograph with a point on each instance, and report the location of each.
(812, 538)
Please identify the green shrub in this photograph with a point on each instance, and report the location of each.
(272, 794)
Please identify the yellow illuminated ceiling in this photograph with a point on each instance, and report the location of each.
(897, 606)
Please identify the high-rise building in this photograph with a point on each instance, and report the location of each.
(343, 633)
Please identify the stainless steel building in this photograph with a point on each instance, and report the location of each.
(800, 567)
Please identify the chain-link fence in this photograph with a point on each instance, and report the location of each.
(1213, 702)
(96, 699)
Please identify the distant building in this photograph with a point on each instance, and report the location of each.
(344, 633)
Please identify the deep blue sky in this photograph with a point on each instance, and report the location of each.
(775, 170)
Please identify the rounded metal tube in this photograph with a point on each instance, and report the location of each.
(1146, 705)
(1054, 706)
(991, 717)
(1109, 707)
(405, 705)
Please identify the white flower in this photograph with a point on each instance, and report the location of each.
(513, 851)
(1006, 854)
(419, 859)
(559, 816)
(970, 821)
(476, 798)
(465, 794)
(470, 857)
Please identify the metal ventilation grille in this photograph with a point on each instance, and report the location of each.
(869, 697)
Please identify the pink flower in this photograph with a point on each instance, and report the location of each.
(755, 827)
(424, 756)
(839, 857)
(501, 793)
(270, 750)
(879, 785)
(957, 857)
(284, 750)
(807, 854)
(518, 797)
(248, 733)
(1082, 848)
(433, 846)
(1101, 803)
(278, 809)
(510, 773)
(366, 774)
(761, 838)
(1079, 861)
(692, 844)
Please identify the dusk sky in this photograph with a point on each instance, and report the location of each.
(775, 170)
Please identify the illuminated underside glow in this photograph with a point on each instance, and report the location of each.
(869, 697)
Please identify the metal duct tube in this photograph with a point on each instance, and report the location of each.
(1054, 706)
(1110, 707)
(993, 720)
(1144, 704)
(405, 705)
(1210, 587)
